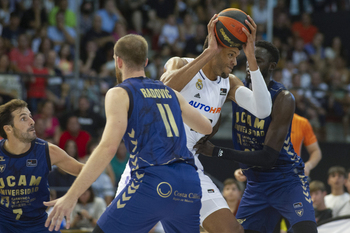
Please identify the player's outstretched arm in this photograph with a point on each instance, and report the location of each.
(258, 101)
(282, 114)
(193, 118)
(178, 72)
(62, 160)
(117, 118)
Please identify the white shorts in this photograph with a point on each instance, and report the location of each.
(212, 199)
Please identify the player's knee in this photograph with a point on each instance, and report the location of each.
(305, 227)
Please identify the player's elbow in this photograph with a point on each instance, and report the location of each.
(207, 130)
(264, 112)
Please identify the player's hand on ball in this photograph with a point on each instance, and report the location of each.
(212, 42)
(240, 176)
(204, 147)
(249, 47)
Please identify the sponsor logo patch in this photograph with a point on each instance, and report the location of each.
(223, 91)
(297, 205)
(199, 84)
(299, 212)
(32, 162)
(2, 168)
(211, 191)
(197, 95)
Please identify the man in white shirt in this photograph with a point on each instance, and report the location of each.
(338, 200)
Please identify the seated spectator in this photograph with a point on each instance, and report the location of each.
(37, 84)
(86, 17)
(68, 15)
(73, 131)
(338, 200)
(10, 84)
(97, 34)
(120, 29)
(194, 45)
(34, 18)
(170, 34)
(22, 57)
(41, 43)
(335, 50)
(12, 32)
(315, 49)
(305, 29)
(304, 71)
(52, 126)
(3, 49)
(119, 161)
(188, 28)
(281, 28)
(232, 192)
(88, 210)
(347, 184)
(60, 33)
(89, 61)
(53, 196)
(109, 15)
(298, 53)
(318, 193)
(60, 180)
(89, 121)
(65, 60)
(5, 12)
(259, 12)
(103, 186)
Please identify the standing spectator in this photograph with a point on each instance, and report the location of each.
(318, 193)
(34, 18)
(68, 15)
(338, 200)
(12, 32)
(61, 33)
(22, 58)
(52, 125)
(109, 15)
(74, 132)
(305, 29)
(232, 193)
(37, 84)
(88, 210)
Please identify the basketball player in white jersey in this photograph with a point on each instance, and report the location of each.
(206, 83)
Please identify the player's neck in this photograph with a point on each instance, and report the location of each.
(209, 73)
(16, 147)
(337, 191)
(133, 74)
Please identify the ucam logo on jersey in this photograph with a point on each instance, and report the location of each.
(206, 108)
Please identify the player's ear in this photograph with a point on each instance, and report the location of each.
(272, 66)
(146, 63)
(7, 128)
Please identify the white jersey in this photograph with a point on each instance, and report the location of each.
(207, 97)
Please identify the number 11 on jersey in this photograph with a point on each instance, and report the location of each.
(168, 117)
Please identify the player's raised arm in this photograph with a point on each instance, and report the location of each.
(193, 118)
(258, 100)
(62, 160)
(178, 73)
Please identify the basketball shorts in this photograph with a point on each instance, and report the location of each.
(170, 194)
(34, 227)
(212, 199)
(263, 203)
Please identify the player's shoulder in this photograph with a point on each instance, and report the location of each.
(234, 80)
(177, 63)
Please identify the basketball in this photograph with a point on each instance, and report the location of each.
(228, 29)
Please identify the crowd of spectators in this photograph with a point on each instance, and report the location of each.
(38, 54)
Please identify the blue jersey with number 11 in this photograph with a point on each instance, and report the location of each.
(155, 134)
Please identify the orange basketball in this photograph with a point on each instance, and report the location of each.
(228, 29)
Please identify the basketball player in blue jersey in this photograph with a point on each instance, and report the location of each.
(164, 185)
(25, 162)
(276, 183)
(206, 83)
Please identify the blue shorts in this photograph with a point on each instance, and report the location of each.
(263, 203)
(170, 194)
(33, 227)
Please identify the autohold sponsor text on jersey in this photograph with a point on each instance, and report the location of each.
(206, 108)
